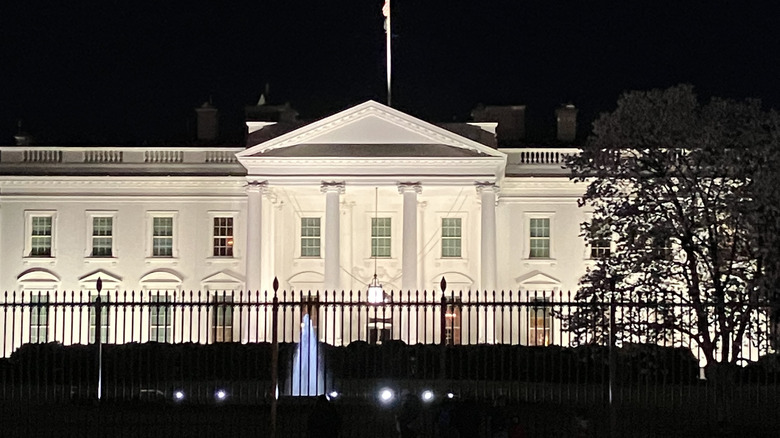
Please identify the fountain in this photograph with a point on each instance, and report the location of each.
(307, 376)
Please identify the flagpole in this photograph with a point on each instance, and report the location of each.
(388, 37)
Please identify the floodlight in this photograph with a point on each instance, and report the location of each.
(386, 395)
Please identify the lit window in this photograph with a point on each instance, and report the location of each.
(310, 237)
(104, 319)
(223, 237)
(160, 321)
(539, 322)
(380, 237)
(39, 318)
(102, 236)
(162, 237)
(450, 237)
(539, 229)
(452, 334)
(601, 241)
(40, 236)
(223, 317)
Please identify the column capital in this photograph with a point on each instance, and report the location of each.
(332, 186)
(486, 186)
(409, 186)
(257, 186)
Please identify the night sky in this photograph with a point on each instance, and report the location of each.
(131, 72)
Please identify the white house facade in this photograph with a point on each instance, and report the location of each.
(325, 207)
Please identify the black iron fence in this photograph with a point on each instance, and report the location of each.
(253, 347)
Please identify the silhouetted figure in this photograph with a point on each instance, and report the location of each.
(515, 428)
(408, 418)
(444, 420)
(467, 419)
(498, 419)
(324, 421)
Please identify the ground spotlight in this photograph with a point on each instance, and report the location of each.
(220, 395)
(386, 395)
(178, 395)
(427, 395)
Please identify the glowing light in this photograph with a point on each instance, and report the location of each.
(450, 395)
(178, 395)
(221, 394)
(427, 395)
(386, 395)
(376, 294)
(332, 395)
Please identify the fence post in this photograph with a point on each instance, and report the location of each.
(443, 331)
(612, 363)
(99, 337)
(274, 357)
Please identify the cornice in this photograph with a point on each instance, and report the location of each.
(122, 182)
(435, 134)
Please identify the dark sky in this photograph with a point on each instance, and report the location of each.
(109, 72)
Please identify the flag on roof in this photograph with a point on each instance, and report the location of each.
(386, 12)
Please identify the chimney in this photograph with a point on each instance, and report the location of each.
(511, 122)
(566, 116)
(208, 122)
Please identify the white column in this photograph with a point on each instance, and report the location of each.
(409, 280)
(254, 190)
(332, 191)
(487, 194)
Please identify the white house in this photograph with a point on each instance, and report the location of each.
(323, 207)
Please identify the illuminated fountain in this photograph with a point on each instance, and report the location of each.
(308, 377)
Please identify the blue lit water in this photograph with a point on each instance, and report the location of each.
(307, 377)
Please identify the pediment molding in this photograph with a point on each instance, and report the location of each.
(344, 127)
(38, 277)
(537, 278)
(105, 277)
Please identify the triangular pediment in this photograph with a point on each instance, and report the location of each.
(537, 278)
(222, 277)
(370, 130)
(105, 277)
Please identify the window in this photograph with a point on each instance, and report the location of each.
(162, 236)
(452, 321)
(104, 319)
(40, 236)
(379, 331)
(661, 247)
(601, 241)
(539, 232)
(223, 237)
(450, 237)
(223, 317)
(539, 322)
(102, 236)
(160, 318)
(380, 237)
(39, 318)
(310, 237)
